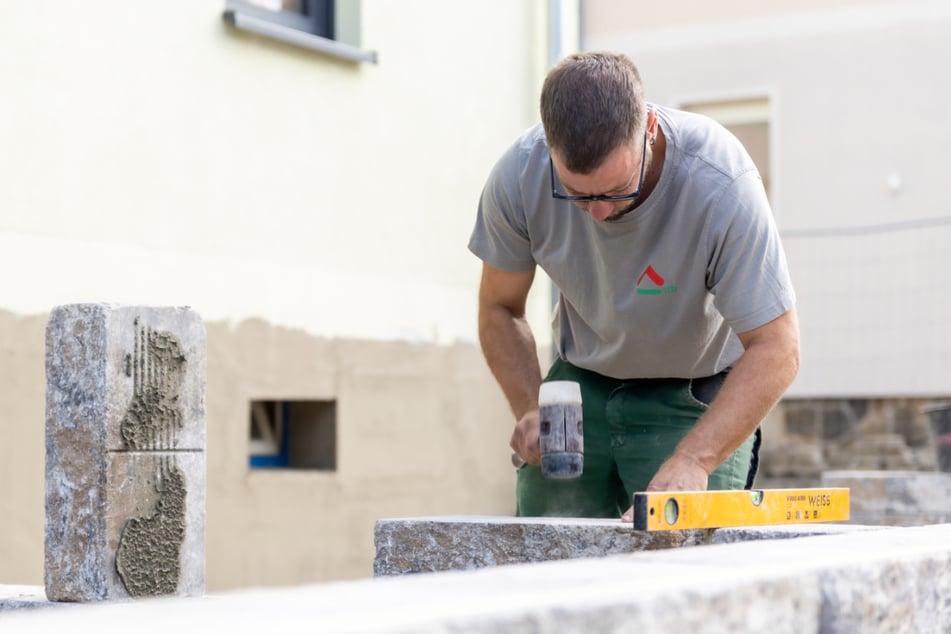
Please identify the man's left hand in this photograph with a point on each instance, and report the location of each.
(680, 472)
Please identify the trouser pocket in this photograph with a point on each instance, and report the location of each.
(706, 388)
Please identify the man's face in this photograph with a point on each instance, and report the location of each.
(620, 174)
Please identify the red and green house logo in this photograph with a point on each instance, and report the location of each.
(652, 283)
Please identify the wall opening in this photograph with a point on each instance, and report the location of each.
(748, 120)
(293, 435)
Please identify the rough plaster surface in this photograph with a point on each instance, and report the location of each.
(433, 544)
(125, 462)
(155, 521)
(889, 580)
(895, 498)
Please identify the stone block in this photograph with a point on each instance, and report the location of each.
(887, 452)
(125, 452)
(434, 544)
(793, 458)
(893, 580)
(925, 458)
(430, 544)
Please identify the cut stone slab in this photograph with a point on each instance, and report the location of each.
(125, 452)
(895, 498)
(882, 581)
(433, 544)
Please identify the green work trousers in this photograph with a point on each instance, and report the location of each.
(630, 428)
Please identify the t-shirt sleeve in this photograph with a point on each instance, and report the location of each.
(500, 237)
(748, 274)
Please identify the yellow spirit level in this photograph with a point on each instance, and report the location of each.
(678, 510)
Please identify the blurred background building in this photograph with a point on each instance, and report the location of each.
(304, 174)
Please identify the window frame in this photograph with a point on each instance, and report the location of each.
(320, 22)
(749, 107)
(293, 435)
(317, 31)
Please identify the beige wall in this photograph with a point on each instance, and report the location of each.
(159, 157)
(603, 17)
(858, 159)
(22, 398)
(420, 431)
(315, 212)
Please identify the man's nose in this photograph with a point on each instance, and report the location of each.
(600, 209)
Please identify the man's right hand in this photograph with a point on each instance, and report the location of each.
(524, 440)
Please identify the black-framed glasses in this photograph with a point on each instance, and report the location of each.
(591, 199)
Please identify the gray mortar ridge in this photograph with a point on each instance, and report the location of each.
(148, 557)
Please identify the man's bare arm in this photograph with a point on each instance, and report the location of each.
(509, 349)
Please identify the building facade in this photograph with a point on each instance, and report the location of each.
(310, 194)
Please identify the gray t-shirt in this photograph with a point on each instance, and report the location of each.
(662, 291)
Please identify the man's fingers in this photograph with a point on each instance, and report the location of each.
(524, 441)
(628, 516)
(531, 454)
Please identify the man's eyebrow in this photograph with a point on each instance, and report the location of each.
(575, 192)
(625, 185)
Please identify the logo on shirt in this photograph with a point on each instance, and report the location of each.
(652, 283)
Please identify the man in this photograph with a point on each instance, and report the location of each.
(676, 311)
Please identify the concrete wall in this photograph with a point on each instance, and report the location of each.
(314, 211)
(858, 131)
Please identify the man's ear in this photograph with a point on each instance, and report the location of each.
(651, 122)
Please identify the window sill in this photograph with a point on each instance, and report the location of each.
(313, 42)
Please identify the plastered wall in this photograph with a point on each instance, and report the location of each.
(315, 212)
(157, 156)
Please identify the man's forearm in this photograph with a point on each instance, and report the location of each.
(751, 390)
(509, 349)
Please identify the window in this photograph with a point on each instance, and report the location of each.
(310, 16)
(293, 435)
(748, 120)
(326, 26)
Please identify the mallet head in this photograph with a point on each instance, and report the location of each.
(561, 431)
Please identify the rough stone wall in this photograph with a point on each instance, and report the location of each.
(805, 437)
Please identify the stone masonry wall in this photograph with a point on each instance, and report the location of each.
(806, 437)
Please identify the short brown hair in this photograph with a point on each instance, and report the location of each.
(590, 104)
